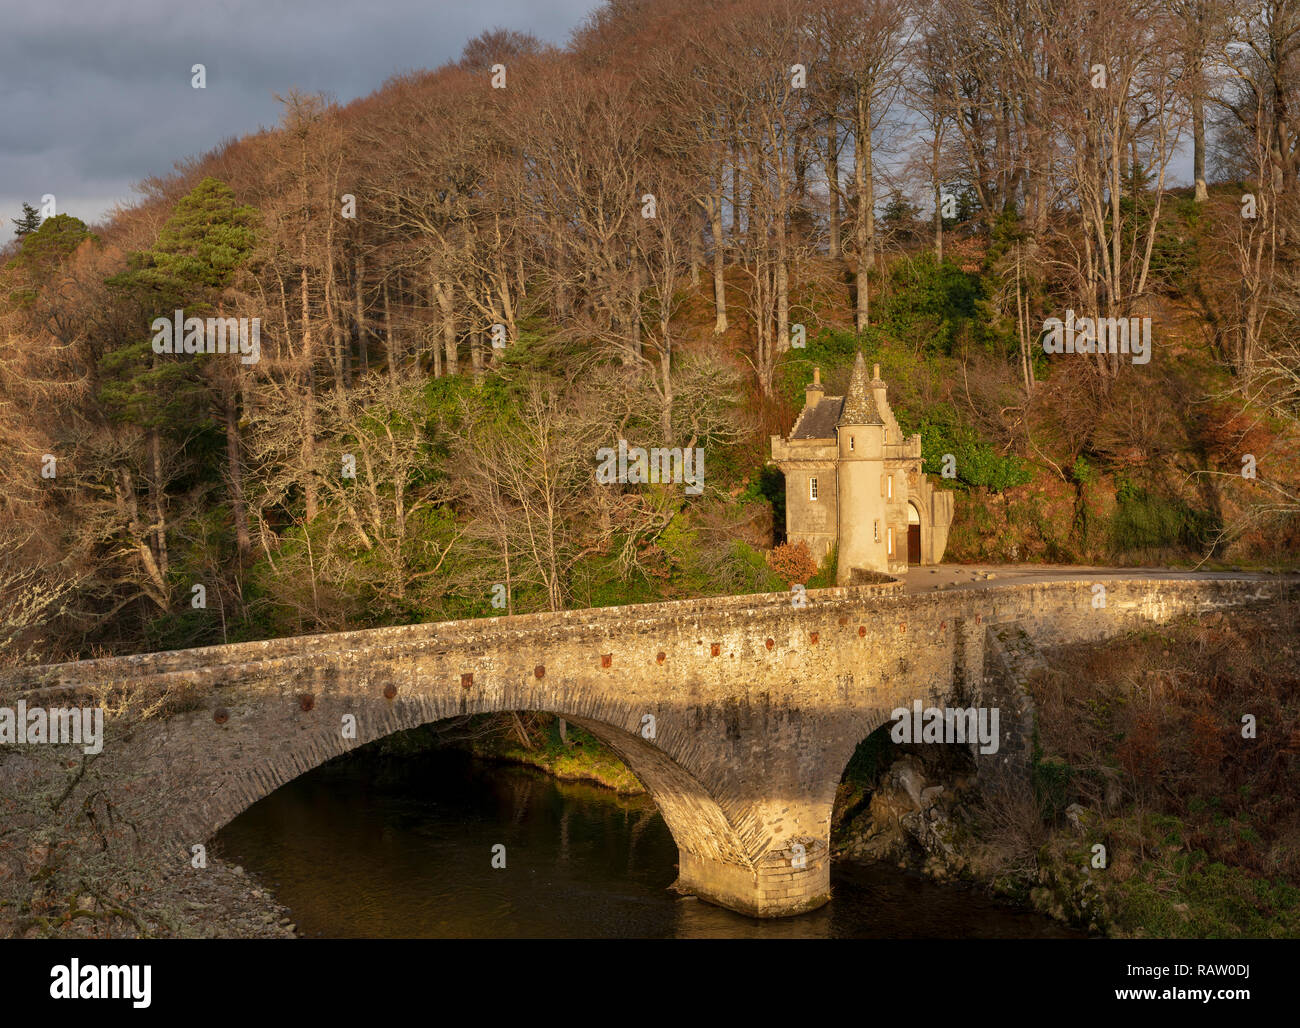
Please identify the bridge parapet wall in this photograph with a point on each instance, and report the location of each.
(755, 703)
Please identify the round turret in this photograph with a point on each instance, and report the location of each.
(860, 433)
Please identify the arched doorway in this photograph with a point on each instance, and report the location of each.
(913, 534)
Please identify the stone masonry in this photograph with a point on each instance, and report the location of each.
(854, 483)
(757, 704)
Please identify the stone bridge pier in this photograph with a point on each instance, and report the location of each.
(739, 714)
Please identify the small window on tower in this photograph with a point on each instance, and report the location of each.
(812, 488)
(850, 442)
(886, 435)
(891, 487)
(877, 531)
(891, 542)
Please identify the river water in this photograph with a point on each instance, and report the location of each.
(373, 848)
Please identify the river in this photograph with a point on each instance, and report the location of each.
(382, 848)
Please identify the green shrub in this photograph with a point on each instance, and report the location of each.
(1051, 780)
(927, 304)
(1146, 520)
(825, 577)
(977, 463)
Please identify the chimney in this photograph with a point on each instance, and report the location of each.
(814, 393)
(878, 394)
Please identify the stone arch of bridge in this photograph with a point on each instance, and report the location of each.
(697, 822)
(878, 720)
(840, 754)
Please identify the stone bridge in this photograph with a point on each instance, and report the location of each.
(739, 714)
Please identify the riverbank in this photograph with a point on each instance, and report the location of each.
(219, 901)
(227, 902)
(1163, 794)
(574, 755)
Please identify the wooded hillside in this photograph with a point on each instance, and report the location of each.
(472, 280)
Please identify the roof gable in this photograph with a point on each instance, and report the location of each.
(818, 422)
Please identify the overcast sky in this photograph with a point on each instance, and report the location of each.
(95, 95)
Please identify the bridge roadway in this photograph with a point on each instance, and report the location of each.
(738, 713)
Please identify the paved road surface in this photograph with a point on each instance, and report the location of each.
(987, 576)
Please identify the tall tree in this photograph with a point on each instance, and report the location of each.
(29, 222)
(204, 248)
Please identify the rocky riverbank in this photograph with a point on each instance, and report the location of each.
(1154, 804)
(220, 901)
(224, 901)
(908, 819)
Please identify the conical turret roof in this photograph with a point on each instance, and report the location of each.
(859, 403)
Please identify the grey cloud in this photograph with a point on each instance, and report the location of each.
(97, 96)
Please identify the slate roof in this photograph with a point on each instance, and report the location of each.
(819, 422)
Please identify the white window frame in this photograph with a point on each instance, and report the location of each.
(812, 488)
(891, 541)
(890, 491)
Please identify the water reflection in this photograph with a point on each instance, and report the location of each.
(403, 849)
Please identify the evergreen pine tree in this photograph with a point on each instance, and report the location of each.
(29, 222)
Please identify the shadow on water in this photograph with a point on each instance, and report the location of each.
(403, 849)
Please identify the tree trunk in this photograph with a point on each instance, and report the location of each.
(735, 197)
(360, 315)
(719, 282)
(866, 229)
(832, 168)
(476, 354)
(309, 406)
(782, 284)
(936, 147)
(1198, 139)
(156, 502)
(332, 316)
(390, 345)
(445, 298)
(235, 472)
(638, 285)
(666, 378)
(520, 731)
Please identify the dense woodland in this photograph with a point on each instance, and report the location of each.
(471, 280)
